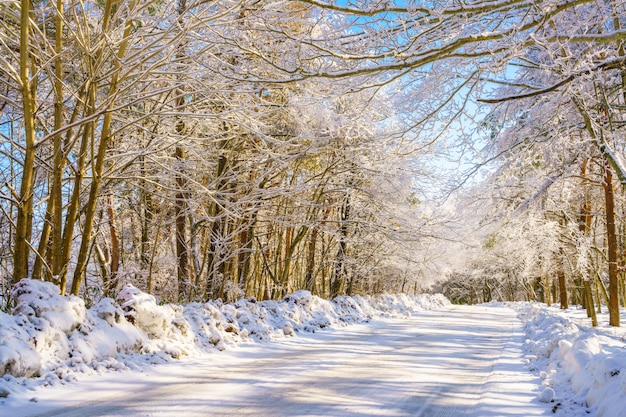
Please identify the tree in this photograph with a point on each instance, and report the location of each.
(25, 202)
(181, 140)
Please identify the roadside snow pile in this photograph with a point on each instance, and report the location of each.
(585, 367)
(50, 338)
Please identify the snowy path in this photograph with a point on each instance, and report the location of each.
(461, 362)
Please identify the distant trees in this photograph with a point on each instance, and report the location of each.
(554, 72)
(560, 157)
(584, 110)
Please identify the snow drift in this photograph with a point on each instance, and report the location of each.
(50, 338)
(583, 367)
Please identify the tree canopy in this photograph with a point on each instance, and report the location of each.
(255, 147)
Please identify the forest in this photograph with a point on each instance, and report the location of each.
(205, 150)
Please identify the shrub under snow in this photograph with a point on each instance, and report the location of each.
(568, 354)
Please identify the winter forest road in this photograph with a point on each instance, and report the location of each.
(458, 362)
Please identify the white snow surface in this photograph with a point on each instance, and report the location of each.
(53, 343)
(51, 339)
(582, 367)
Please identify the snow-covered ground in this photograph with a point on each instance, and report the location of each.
(433, 364)
(52, 340)
(583, 369)
(52, 345)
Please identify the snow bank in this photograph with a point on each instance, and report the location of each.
(50, 338)
(585, 367)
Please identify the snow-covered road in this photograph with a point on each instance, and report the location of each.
(461, 362)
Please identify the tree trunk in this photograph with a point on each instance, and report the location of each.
(609, 198)
(90, 211)
(99, 157)
(54, 216)
(114, 263)
(181, 205)
(245, 254)
(73, 209)
(621, 52)
(180, 214)
(309, 276)
(283, 276)
(562, 282)
(217, 225)
(547, 289)
(147, 215)
(591, 312)
(23, 227)
(339, 272)
(584, 226)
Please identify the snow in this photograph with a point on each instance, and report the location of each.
(547, 395)
(584, 366)
(431, 363)
(551, 363)
(51, 339)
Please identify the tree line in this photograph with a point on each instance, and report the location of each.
(159, 143)
(212, 149)
(551, 76)
(554, 205)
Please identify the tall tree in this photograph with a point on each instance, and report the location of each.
(25, 203)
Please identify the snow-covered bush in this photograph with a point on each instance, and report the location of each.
(42, 300)
(104, 334)
(18, 356)
(570, 354)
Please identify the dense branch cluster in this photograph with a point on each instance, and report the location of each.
(557, 127)
(167, 145)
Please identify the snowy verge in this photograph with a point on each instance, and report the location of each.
(50, 339)
(583, 369)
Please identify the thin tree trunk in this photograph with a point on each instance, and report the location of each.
(215, 211)
(180, 214)
(562, 282)
(155, 244)
(309, 276)
(23, 227)
(547, 289)
(245, 256)
(340, 267)
(181, 205)
(98, 159)
(622, 284)
(147, 214)
(584, 227)
(609, 198)
(621, 52)
(591, 312)
(114, 264)
(54, 216)
(601, 289)
(73, 208)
